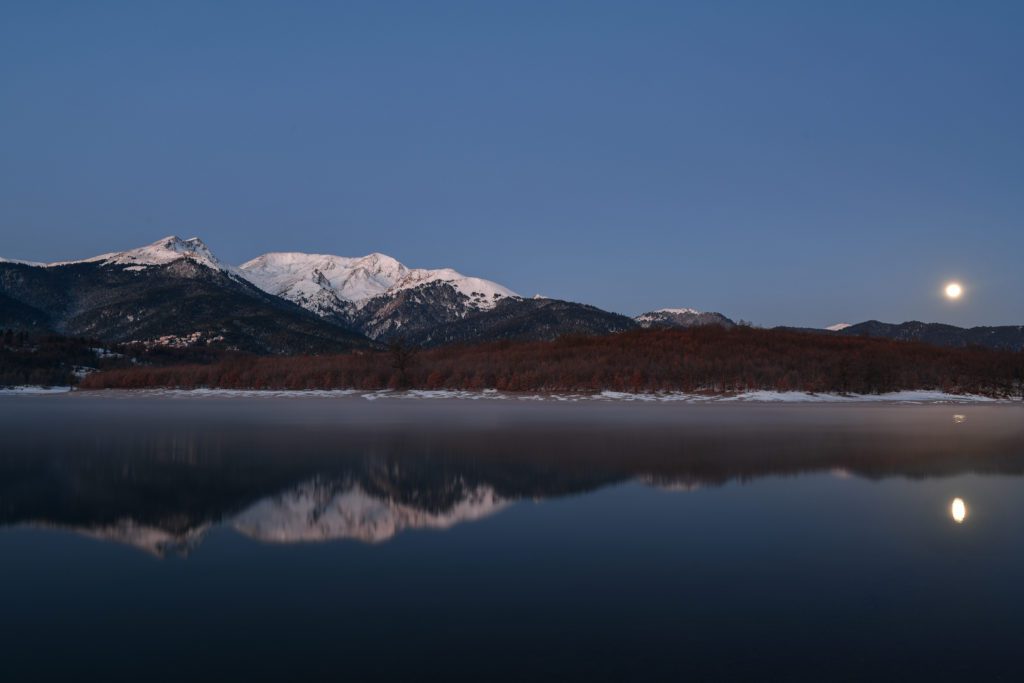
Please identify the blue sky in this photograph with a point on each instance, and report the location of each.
(786, 162)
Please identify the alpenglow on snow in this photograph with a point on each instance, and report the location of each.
(324, 283)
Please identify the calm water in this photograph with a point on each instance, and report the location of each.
(148, 538)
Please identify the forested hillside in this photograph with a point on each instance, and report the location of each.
(702, 359)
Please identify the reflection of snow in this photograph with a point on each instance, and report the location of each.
(670, 484)
(313, 512)
(310, 512)
(152, 539)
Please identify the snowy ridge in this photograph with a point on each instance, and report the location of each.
(838, 326)
(309, 279)
(34, 264)
(679, 311)
(322, 283)
(325, 283)
(165, 251)
(161, 252)
(32, 390)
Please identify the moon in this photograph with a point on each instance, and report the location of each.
(958, 510)
(954, 291)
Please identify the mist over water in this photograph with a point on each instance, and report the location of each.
(409, 539)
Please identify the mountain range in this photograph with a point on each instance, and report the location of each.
(175, 292)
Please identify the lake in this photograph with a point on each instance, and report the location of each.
(147, 537)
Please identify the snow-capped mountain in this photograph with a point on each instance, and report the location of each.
(177, 292)
(159, 253)
(682, 317)
(173, 292)
(301, 277)
(164, 251)
(356, 290)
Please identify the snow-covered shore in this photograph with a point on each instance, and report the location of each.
(909, 397)
(32, 391)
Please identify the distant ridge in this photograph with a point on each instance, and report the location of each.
(1000, 337)
(176, 292)
(682, 317)
(171, 293)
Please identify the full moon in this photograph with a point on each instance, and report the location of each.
(958, 510)
(954, 290)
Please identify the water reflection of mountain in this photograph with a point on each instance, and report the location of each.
(323, 511)
(161, 486)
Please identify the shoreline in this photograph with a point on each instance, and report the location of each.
(915, 397)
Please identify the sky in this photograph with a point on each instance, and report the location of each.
(799, 163)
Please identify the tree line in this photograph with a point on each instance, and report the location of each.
(703, 359)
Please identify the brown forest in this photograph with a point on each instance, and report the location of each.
(706, 359)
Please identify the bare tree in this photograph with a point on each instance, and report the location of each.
(402, 355)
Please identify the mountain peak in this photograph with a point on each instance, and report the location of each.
(379, 260)
(163, 251)
(176, 243)
(307, 278)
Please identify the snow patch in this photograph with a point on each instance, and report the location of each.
(437, 393)
(33, 391)
(227, 393)
(679, 311)
(892, 397)
(760, 396)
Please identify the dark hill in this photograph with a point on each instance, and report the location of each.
(180, 303)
